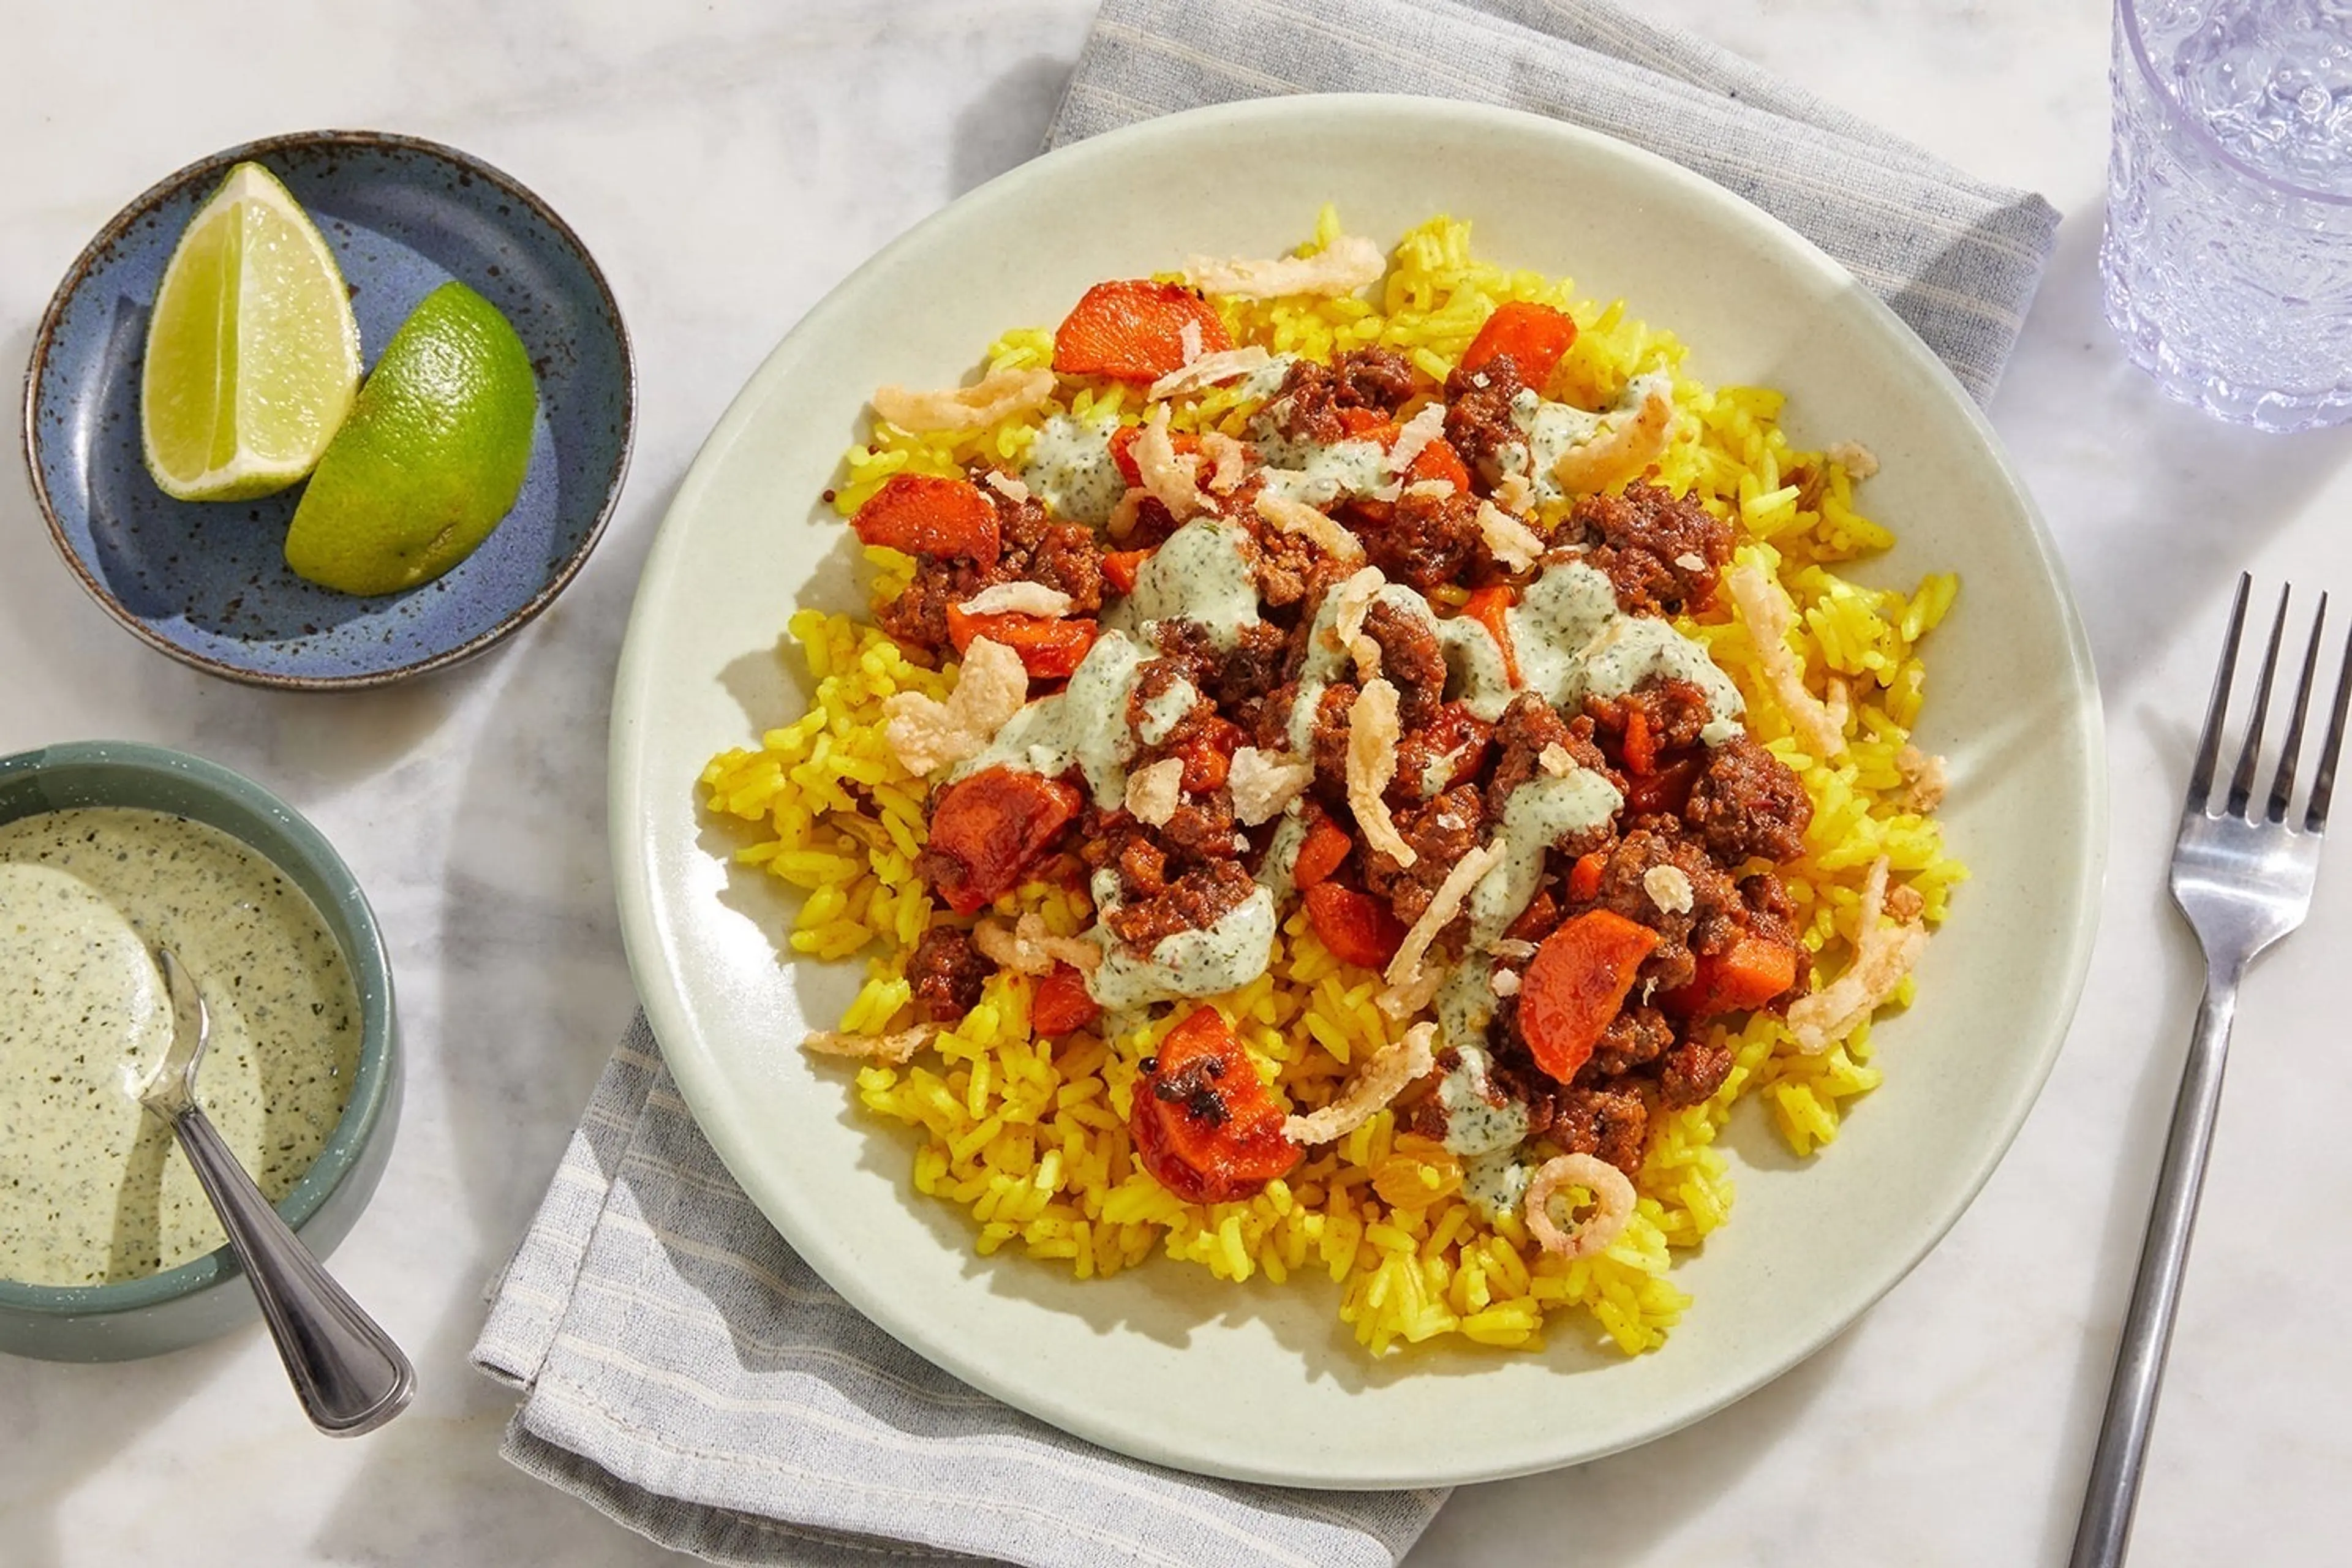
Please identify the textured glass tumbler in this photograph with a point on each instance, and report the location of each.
(2227, 256)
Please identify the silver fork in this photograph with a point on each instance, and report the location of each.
(2243, 874)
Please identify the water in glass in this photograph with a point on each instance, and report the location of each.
(2228, 257)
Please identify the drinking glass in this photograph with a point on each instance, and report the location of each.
(2227, 256)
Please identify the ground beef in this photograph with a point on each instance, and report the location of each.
(946, 974)
(1645, 540)
(1672, 713)
(1429, 541)
(1454, 740)
(1195, 900)
(918, 617)
(1249, 671)
(1065, 556)
(1411, 660)
(1749, 802)
(1374, 378)
(1635, 1037)
(1327, 748)
(1713, 921)
(1478, 423)
(1307, 407)
(1153, 525)
(1691, 1072)
(1441, 831)
(1611, 1121)
(1289, 569)
(1525, 728)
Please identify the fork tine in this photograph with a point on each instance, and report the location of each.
(2323, 783)
(2241, 781)
(2291, 748)
(2200, 777)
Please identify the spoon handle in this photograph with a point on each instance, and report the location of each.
(350, 1376)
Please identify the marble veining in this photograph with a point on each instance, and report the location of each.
(727, 164)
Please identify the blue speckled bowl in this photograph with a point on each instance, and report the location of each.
(208, 582)
(208, 1295)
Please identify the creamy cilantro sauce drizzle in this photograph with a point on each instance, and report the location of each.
(1227, 954)
(1549, 430)
(1199, 573)
(1572, 641)
(92, 1189)
(1070, 469)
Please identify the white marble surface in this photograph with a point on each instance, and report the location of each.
(728, 162)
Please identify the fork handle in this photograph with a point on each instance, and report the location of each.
(2108, 1501)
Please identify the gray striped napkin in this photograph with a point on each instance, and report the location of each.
(680, 1368)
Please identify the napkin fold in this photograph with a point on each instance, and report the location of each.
(679, 1367)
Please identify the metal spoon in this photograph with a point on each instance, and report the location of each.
(350, 1376)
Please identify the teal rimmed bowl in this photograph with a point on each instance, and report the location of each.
(208, 1295)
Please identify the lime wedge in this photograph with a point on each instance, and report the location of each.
(252, 353)
(431, 458)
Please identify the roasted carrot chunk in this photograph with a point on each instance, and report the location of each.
(1640, 748)
(1584, 877)
(1133, 329)
(1535, 336)
(1489, 607)
(1575, 986)
(1326, 846)
(1059, 1003)
(1749, 973)
(1120, 567)
(1357, 927)
(1049, 649)
(925, 515)
(988, 830)
(1205, 1124)
(1439, 461)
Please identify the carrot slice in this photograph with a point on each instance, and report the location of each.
(1535, 336)
(1122, 449)
(1049, 649)
(1059, 1003)
(1439, 461)
(1749, 973)
(1584, 877)
(1639, 747)
(924, 514)
(1488, 608)
(1121, 567)
(1575, 986)
(1368, 424)
(1357, 927)
(1133, 329)
(987, 830)
(1204, 1123)
(1319, 854)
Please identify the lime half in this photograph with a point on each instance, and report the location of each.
(252, 353)
(431, 458)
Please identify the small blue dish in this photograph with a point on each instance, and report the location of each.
(206, 582)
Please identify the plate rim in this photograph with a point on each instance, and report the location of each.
(646, 928)
(78, 274)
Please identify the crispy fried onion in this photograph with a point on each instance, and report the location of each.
(1170, 478)
(1631, 438)
(1020, 598)
(1202, 370)
(1228, 461)
(1504, 982)
(1443, 905)
(999, 394)
(1668, 887)
(1554, 760)
(1883, 955)
(1188, 340)
(1351, 601)
(1027, 947)
(1401, 1001)
(1516, 493)
(1342, 267)
(1439, 488)
(1265, 783)
(1419, 431)
(1613, 1204)
(1769, 615)
(1372, 736)
(1513, 542)
(1008, 486)
(891, 1049)
(925, 735)
(1924, 778)
(1154, 792)
(1368, 1091)
(1124, 512)
(1855, 458)
(1297, 517)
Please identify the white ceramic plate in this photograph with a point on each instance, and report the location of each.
(1264, 1383)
